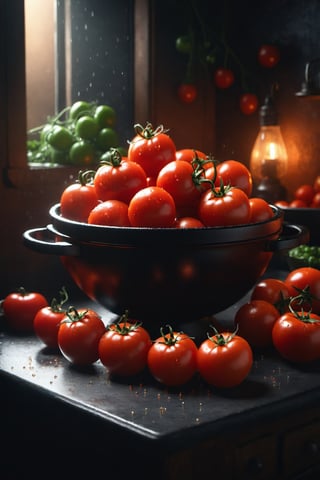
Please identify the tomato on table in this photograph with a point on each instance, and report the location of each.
(224, 359)
(152, 207)
(296, 336)
(151, 148)
(123, 348)
(305, 282)
(79, 335)
(47, 320)
(272, 290)
(172, 358)
(79, 198)
(19, 309)
(255, 320)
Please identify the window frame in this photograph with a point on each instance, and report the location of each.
(13, 156)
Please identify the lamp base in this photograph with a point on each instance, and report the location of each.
(270, 189)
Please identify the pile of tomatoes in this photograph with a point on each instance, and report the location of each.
(280, 314)
(156, 185)
(78, 135)
(284, 314)
(125, 347)
(307, 195)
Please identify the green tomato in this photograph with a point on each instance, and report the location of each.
(87, 127)
(60, 137)
(45, 132)
(82, 153)
(78, 109)
(58, 156)
(107, 138)
(183, 44)
(105, 116)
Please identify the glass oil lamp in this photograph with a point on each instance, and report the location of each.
(269, 158)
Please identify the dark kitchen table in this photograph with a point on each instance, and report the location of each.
(57, 419)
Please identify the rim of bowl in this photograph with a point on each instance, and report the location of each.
(84, 232)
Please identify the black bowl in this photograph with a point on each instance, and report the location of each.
(165, 275)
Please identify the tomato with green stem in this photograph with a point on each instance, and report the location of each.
(79, 335)
(236, 174)
(124, 347)
(304, 284)
(177, 178)
(20, 307)
(296, 336)
(151, 148)
(117, 178)
(79, 198)
(172, 358)
(224, 206)
(152, 207)
(224, 359)
(272, 290)
(47, 320)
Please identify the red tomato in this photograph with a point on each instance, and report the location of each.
(305, 279)
(110, 212)
(47, 320)
(172, 358)
(260, 210)
(281, 203)
(297, 204)
(123, 348)
(79, 335)
(19, 309)
(236, 174)
(188, 222)
(297, 336)
(78, 199)
(224, 360)
(316, 183)
(305, 193)
(177, 178)
(255, 320)
(229, 206)
(268, 56)
(223, 78)
(152, 149)
(272, 290)
(187, 92)
(189, 154)
(248, 103)
(316, 200)
(119, 180)
(152, 207)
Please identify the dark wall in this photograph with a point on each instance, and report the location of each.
(293, 26)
